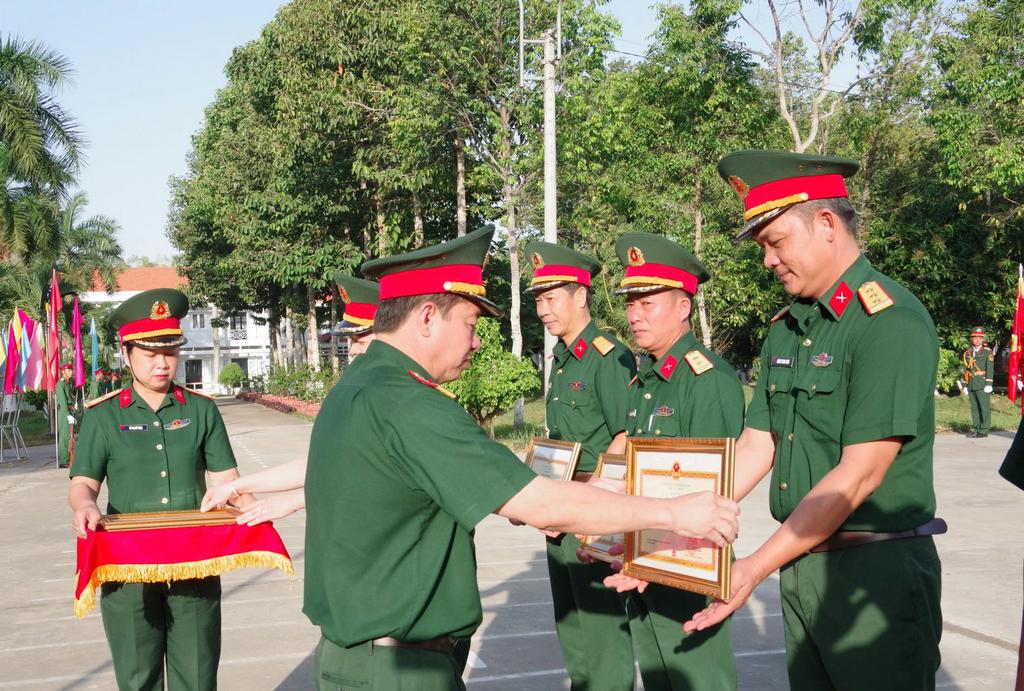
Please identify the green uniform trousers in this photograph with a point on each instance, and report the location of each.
(380, 668)
(864, 618)
(670, 660)
(146, 622)
(63, 440)
(981, 411)
(593, 629)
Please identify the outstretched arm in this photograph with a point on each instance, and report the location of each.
(289, 476)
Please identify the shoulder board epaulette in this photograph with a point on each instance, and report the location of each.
(100, 399)
(433, 385)
(874, 298)
(197, 393)
(603, 345)
(698, 362)
(780, 314)
(633, 380)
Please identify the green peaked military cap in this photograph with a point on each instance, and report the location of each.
(978, 331)
(152, 319)
(769, 181)
(455, 267)
(654, 262)
(556, 265)
(361, 298)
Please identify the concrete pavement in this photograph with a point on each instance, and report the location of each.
(268, 642)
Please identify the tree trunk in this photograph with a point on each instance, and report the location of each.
(312, 331)
(215, 331)
(513, 256)
(335, 299)
(460, 183)
(698, 237)
(274, 322)
(417, 221)
(382, 229)
(289, 339)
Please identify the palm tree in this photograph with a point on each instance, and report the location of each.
(39, 145)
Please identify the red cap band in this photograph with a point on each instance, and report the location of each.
(813, 186)
(561, 272)
(364, 311)
(426, 281)
(143, 328)
(663, 272)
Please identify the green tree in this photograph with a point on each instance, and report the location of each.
(495, 380)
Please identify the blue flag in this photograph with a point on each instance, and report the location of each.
(95, 346)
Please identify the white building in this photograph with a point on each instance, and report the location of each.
(242, 340)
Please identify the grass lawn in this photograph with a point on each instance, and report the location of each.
(34, 428)
(951, 414)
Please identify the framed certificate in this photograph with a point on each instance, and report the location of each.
(553, 459)
(169, 519)
(613, 467)
(666, 468)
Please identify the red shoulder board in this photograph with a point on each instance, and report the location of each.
(179, 395)
(125, 397)
(780, 314)
(874, 298)
(633, 380)
(433, 385)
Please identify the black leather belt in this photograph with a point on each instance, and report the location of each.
(442, 644)
(845, 539)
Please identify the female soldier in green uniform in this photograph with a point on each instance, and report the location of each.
(154, 443)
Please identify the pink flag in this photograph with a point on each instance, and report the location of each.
(76, 329)
(13, 360)
(53, 334)
(36, 362)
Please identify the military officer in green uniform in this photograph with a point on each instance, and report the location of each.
(66, 404)
(1012, 470)
(99, 386)
(843, 417)
(399, 474)
(978, 363)
(157, 445)
(682, 390)
(586, 402)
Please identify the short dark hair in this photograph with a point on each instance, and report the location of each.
(840, 206)
(571, 288)
(391, 313)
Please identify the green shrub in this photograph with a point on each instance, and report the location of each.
(495, 380)
(232, 375)
(302, 382)
(950, 370)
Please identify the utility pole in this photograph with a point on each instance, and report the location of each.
(552, 43)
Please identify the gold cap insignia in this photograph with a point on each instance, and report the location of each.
(538, 262)
(160, 310)
(344, 295)
(741, 187)
(636, 257)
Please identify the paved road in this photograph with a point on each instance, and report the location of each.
(267, 640)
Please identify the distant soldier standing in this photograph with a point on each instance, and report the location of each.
(66, 404)
(978, 373)
(586, 403)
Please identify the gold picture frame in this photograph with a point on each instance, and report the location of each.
(664, 468)
(613, 466)
(553, 458)
(168, 519)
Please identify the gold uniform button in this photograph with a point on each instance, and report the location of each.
(772, 387)
(657, 431)
(559, 372)
(783, 486)
(647, 396)
(555, 398)
(814, 387)
(163, 473)
(156, 423)
(164, 500)
(159, 447)
(789, 436)
(807, 342)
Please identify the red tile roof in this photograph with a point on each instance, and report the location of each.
(144, 278)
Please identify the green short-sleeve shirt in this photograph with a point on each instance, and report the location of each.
(588, 396)
(153, 461)
(832, 375)
(1013, 465)
(398, 476)
(690, 391)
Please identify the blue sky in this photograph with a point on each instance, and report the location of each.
(144, 72)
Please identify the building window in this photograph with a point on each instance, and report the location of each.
(237, 321)
(198, 321)
(236, 327)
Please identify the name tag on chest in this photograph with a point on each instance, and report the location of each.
(778, 361)
(133, 428)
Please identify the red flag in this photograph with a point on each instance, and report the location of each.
(76, 330)
(53, 334)
(1013, 386)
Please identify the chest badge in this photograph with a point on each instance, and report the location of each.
(664, 411)
(133, 428)
(821, 360)
(577, 386)
(178, 424)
